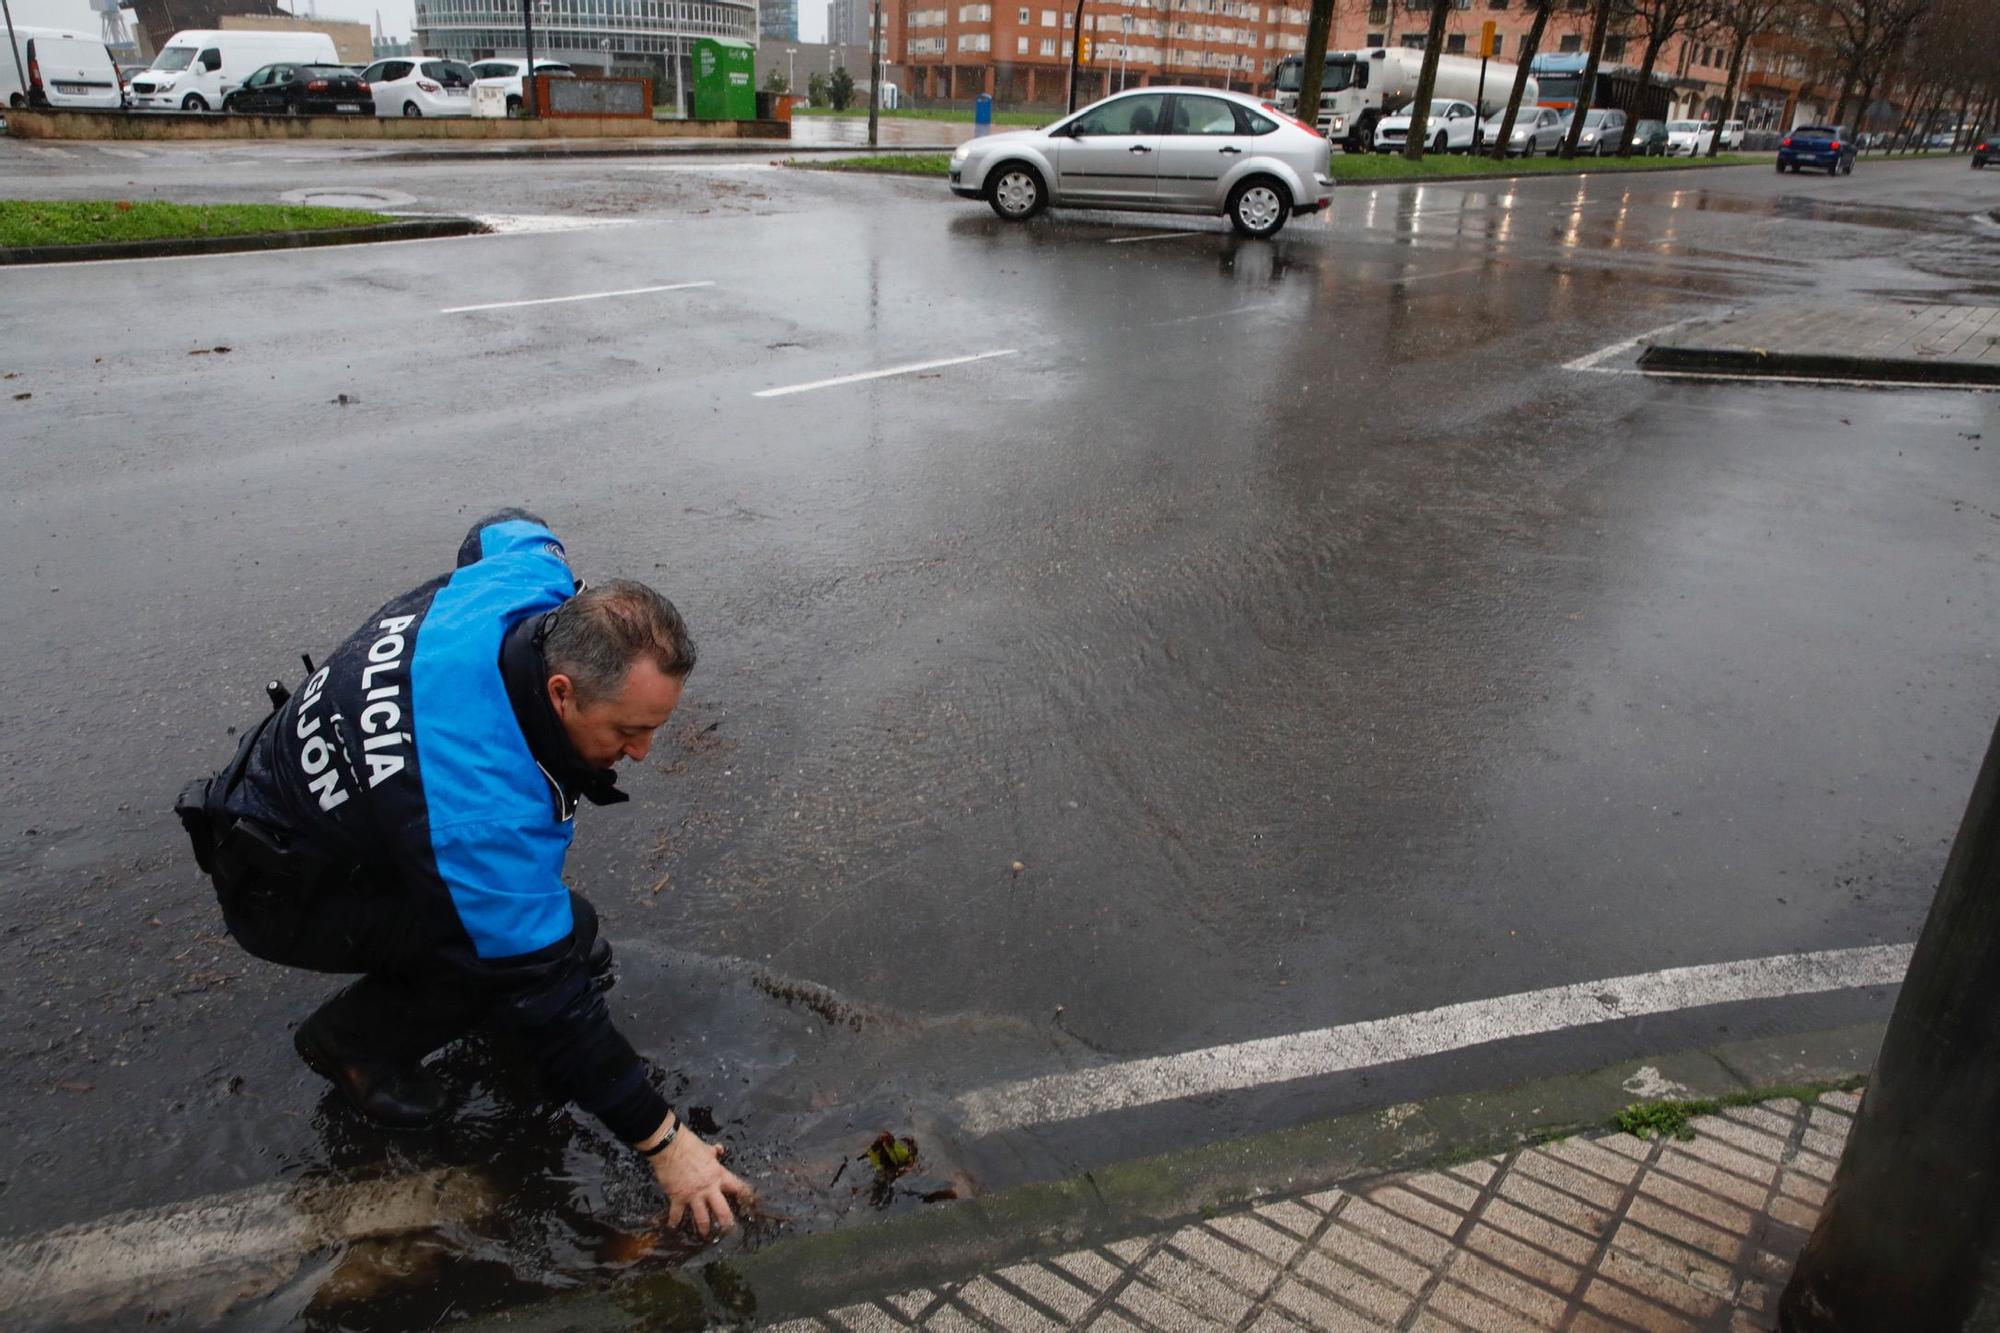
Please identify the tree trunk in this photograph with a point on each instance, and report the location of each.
(1645, 81)
(1420, 110)
(1964, 105)
(1730, 96)
(1312, 74)
(1600, 26)
(1531, 45)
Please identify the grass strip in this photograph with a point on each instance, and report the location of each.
(38, 222)
(1357, 169)
(1670, 1117)
(882, 164)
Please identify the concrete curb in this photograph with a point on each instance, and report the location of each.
(808, 1274)
(1797, 365)
(415, 229)
(748, 148)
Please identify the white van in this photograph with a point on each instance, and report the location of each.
(195, 70)
(64, 68)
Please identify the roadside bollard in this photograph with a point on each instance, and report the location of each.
(982, 116)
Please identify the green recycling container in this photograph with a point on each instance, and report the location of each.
(725, 79)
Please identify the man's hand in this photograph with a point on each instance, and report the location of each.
(698, 1187)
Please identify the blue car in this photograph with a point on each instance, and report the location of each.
(1986, 150)
(1828, 148)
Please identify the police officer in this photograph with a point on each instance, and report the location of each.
(405, 815)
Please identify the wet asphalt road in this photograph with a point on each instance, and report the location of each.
(1321, 648)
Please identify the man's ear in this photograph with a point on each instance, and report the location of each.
(562, 692)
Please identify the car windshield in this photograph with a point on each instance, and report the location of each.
(448, 72)
(1817, 131)
(494, 69)
(325, 72)
(1683, 126)
(1339, 74)
(174, 57)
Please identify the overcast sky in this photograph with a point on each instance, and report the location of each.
(396, 14)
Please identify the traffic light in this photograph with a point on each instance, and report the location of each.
(1083, 49)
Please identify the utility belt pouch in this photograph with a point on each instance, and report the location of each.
(192, 807)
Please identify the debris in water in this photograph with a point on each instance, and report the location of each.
(345, 400)
(75, 1087)
(1018, 868)
(890, 1156)
(22, 397)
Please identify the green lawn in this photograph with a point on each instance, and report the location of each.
(938, 113)
(1348, 168)
(48, 222)
(884, 164)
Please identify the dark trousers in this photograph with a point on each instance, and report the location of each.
(406, 1004)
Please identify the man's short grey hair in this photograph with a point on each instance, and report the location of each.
(599, 635)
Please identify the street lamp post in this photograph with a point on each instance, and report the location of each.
(1124, 43)
(875, 76)
(791, 69)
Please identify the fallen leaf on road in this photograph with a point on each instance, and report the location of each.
(1019, 867)
(75, 1087)
(22, 397)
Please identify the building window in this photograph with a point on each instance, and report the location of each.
(1374, 39)
(975, 41)
(1020, 46)
(1570, 44)
(1414, 40)
(1455, 44)
(1048, 18)
(1499, 42)
(1024, 18)
(1496, 4)
(1614, 48)
(1048, 46)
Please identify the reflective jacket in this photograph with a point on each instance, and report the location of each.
(406, 756)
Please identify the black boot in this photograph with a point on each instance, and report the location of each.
(598, 964)
(396, 1098)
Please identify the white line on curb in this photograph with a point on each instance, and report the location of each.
(1251, 1064)
(883, 374)
(559, 300)
(1591, 361)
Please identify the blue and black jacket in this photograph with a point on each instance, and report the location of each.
(426, 754)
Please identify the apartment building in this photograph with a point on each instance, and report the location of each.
(1020, 54)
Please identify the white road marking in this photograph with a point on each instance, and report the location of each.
(123, 152)
(911, 369)
(1448, 273)
(1158, 236)
(46, 151)
(528, 224)
(582, 296)
(1213, 314)
(1590, 362)
(1086, 1092)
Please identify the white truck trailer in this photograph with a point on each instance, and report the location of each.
(1361, 87)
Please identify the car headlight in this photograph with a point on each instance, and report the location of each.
(1340, 122)
(964, 151)
(1520, 134)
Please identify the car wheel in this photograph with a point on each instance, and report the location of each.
(412, 111)
(1442, 143)
(1781, 168)
(193, 102)
(1528, 148)
(1847, 167)
(1017, 192)
(1258, 207)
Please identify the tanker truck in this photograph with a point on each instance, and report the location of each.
(1363, 86)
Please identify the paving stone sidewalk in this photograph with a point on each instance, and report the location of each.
(1589, 1233)
(1937, 344)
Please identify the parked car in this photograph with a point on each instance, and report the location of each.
(197, 69)
(64, 68)
(1603, 130)
(1732, 135)
(1649, 138)
(1162, 150)
(1828, 148)
(505, 73)
(1537, 129)
(406, 86)
(1689, 138)
(303, 90)
(1453, 127)
(1986, 150)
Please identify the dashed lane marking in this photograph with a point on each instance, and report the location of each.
(911, 369)
(581, 296)
(1076, 1094)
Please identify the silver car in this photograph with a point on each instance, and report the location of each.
(1160, 150)
(1537, 129)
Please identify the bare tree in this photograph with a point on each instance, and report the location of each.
(1865, 37)
(1659, 21)
(1744, 21)
(1420, 110)
(1312, 74)
(1600, 27)
(1531, 44)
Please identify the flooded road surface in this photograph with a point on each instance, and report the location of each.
(1194, 641)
